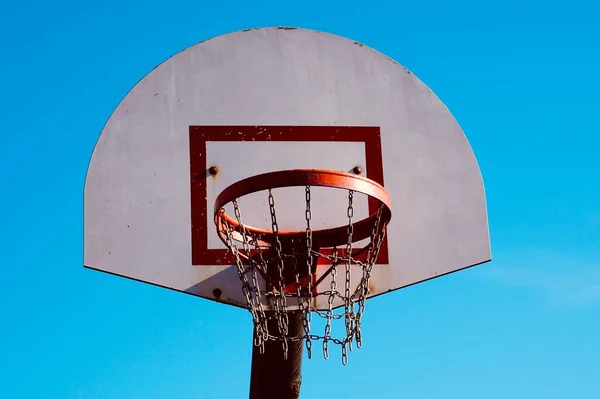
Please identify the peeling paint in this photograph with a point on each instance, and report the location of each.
(287, 27)
(359, 44)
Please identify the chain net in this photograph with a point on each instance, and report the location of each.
(288, 270)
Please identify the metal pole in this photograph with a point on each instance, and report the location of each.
(273, 376)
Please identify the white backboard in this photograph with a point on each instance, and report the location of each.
(272, 99)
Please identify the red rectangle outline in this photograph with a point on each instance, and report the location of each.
(199, 135)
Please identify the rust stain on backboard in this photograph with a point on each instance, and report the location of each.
(371, 287)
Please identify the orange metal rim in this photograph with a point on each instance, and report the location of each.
(301, 178)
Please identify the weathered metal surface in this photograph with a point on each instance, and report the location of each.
(138, 192)
(274, 376)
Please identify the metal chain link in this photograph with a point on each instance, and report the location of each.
(250, 259)
(256, 292)
(244, 279)
(348, 305)
(332, 295)
(377, 236)
(263, 320)
(280, 301)
(307, 299)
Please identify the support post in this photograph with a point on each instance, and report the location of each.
(272, 376)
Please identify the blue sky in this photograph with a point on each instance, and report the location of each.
(520, 77)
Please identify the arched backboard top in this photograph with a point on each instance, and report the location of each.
(271, 99)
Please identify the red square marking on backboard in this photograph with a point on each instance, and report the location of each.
(200, 135)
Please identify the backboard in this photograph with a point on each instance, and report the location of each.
(273, 99)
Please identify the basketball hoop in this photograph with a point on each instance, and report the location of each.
(287, 260)
(318, 248)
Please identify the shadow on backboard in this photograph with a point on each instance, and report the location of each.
(224, 286)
